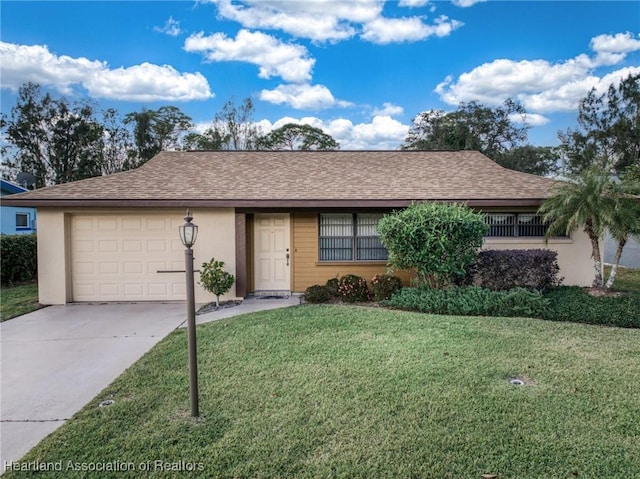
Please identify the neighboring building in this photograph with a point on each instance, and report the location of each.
(281, 221)
(630, 253)
(15, 220)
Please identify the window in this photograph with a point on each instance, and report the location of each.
(515, 225)
(350, 237)
(22, 221)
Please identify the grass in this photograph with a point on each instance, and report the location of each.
(627, 279)
(337, 391)
(18, 300)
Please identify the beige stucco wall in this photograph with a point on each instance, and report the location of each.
(574, 254)
(216, 238)
(53, 269)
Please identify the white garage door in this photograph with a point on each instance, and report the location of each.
(117, 258)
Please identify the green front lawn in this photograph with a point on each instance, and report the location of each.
(17, 300)
(340, 391)
(627, 279)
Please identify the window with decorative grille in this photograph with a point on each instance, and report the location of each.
(350, 237)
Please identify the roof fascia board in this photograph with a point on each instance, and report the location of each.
(252, 203)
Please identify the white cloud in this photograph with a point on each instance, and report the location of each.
(619, 43)
(331, 21)
(531, 119)
(466, 3)
(388, 109)
(392, 30)
(612, 49)
(171, 28)
(539, 85)
(144, 82)
(412, 3)
(302, 97)
(315, 20)
(274, 58)
(382, 133)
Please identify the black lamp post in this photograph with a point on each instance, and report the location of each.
(188, 233)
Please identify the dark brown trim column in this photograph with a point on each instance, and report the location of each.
(241, 255)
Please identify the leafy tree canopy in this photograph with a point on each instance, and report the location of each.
(500, 133)
(55, 140)
(155, 131)
(294, 136)
(608, 133)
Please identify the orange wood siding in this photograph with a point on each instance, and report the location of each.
(307, 271)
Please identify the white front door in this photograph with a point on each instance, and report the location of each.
(272, 252)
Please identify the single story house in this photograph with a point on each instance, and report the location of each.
(280, 220)
(15, 220)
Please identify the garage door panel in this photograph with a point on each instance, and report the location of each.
(157, 246)
(84, 289)
(117, 258)
(107, 246)
(132, 246)
(110, 291)
(134, 290)
(107, 224)
(134, 267)
(109, 268)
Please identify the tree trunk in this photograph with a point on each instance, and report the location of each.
(217, 300)
(598, 282)
(616, 262)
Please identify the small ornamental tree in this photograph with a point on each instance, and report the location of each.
(215, 279)
(436, 240)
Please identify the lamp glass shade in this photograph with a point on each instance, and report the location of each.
(188, 234)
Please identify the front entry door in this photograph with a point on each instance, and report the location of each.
(272, 252)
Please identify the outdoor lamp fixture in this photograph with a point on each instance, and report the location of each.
(188, 233)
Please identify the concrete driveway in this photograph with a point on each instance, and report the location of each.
(55, 360)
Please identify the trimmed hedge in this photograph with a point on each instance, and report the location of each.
(317, 294)
(383, 286)
(572, 303)
(502, 270)
(562, 303)
(353, 288)
(19, 259)
(470, 301)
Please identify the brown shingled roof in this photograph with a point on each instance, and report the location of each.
(299, 179)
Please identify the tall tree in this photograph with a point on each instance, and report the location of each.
(118, 145)
(593, 201)
(232, 129)
(51, 138)
(155, 131)
(608, 133)
(473, 126)
(536, 160)
(210, 139)
(293, 136)
(235, 124)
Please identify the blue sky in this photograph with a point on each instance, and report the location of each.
(359, 69)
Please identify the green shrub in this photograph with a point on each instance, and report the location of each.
(470, 301)
(436, 240)
(317, 294)
(502, 270)
(571, 303)
(19, 259)
(215, 279)
(353, 288)
(383, 286)
(332, 287)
